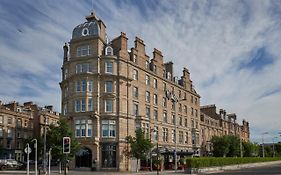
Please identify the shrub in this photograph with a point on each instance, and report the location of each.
(221, 161)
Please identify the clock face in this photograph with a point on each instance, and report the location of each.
(85, 31)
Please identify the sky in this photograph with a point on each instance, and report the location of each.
(231, 48)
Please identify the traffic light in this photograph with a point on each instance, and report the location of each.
(66, 145)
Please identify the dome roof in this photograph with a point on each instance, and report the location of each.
(89, 28)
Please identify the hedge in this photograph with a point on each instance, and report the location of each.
(221, 161)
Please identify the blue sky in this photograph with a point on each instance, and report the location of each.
(232, 49)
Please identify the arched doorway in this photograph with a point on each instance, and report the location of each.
(83, 158)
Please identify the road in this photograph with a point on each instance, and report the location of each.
(265, 170)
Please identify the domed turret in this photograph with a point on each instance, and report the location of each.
(89, 28)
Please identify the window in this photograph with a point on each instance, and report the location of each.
(193, 138)
(80, 105)
(155, 132)
(84, 85)
(164, 102)
(155, 114)
(108, 50)
(147, 111)
(83, 68)
(90, 86)
(147, 96)
(77, 86)
(195, 101)
(164, 87)
(84, 51)
(185, 109)
(135, 60)
(135, 92)
(196, 113)
(10, 134)
(108, 128)
(192, 124)
(108, 86)
(173, 119)
(154, 68)
(147, 80)
(65, 91)
(108, 67)
(155, 99)
(19, 123)
(135, 109)
(181, 141)
(180, 107)
(10, 120)
(180, 121)
(165, 118)
(185, 122)
(173, 136)
(83, 128)
(108, 105)
(1, 119)
(165, 134)
(65, 73)
(135, 74)
(147, 64)
(90, 104)
(155, 83)
(186, 137)
(191, 99)
(1, 132)
(179, 94)
(192, 112)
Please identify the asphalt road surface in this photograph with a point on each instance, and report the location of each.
(265, 170)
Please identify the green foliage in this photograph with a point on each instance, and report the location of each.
(220, 146)
(221, 161)
(139, 145)
(250, 149)
(55, 136)
(234, 146)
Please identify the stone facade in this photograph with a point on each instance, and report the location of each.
(109, 90)
(219, 124)
(20, 122)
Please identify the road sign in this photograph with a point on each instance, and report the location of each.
(27, 150)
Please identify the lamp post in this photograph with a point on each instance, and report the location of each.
(263, 143)
(44, 154)
(157, 148)
(171, 96)
(49, 170)
(35, 146)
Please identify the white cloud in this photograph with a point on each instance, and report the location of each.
(211, 38)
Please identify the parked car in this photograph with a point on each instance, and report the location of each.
(12, 164)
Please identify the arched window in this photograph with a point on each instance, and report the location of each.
(108, 50)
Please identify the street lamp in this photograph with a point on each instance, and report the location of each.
(263, 143)
(44, 154)
(157, 148)
(35, 146)
(274, 145)
(171, 96)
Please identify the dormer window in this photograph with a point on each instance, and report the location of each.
(85, 31)
(108, 50)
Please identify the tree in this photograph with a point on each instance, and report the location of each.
(139, 146)
(55, 136)
(234, 146)
(220, 146)
(250, 149)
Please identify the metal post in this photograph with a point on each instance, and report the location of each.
(176, 166)
(44, 154)
(49, 170)
(263, 143)
(36, 163)
(158, 163)
(27, 169)
(241, 151)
